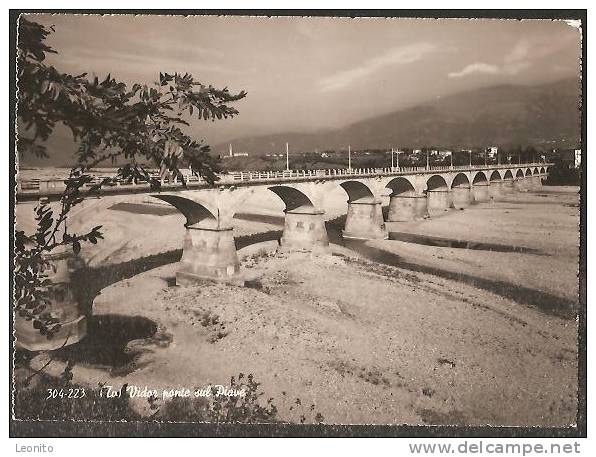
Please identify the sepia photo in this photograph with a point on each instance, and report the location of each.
(297, 220)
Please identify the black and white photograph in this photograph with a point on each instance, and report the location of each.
(297, 223)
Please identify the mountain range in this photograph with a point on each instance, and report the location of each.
(545, 115)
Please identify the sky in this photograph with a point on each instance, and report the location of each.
(308, 74)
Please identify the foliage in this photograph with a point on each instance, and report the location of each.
(223, 408)
(244, 409)
(562, 174)
(108, 120)
(247, 409)
(32, 268)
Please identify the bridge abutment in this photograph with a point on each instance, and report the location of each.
(365, 221)
(404, 208)
(208, 253)
(304, 230)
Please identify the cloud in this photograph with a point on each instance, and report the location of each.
(124, 62)
(508, 69)
(401, 55)
(522, 56)
(477, 67)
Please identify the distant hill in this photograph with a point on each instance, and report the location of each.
(506, 115)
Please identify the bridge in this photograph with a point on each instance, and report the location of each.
(209, 251)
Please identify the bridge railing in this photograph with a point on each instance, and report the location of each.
(55, 186)
(330, 172)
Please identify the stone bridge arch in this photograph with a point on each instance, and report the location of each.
(197, 214)
(479, 177)
(436, 182)
(460, 180)
(357, 191)
(495, 176)
(293, 198)
(364, 219)
(401, 185)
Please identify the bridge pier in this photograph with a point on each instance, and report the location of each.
(407, 208)
(304, 230)
(520, 184)
(461, 197)
(63, 304)
(439, 199)
(508, 186)
(480, 192)
(536, 181)
(208, 253)
(208, 249)
(495, 189)
(365, 220)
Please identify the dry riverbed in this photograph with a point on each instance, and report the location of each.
(429, 341)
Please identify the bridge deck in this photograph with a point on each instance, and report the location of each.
(35, 188)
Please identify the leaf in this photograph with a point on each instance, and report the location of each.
(76, 246)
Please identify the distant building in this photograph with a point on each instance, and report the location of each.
(236, 154)
(231, 153)
(492, 152)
